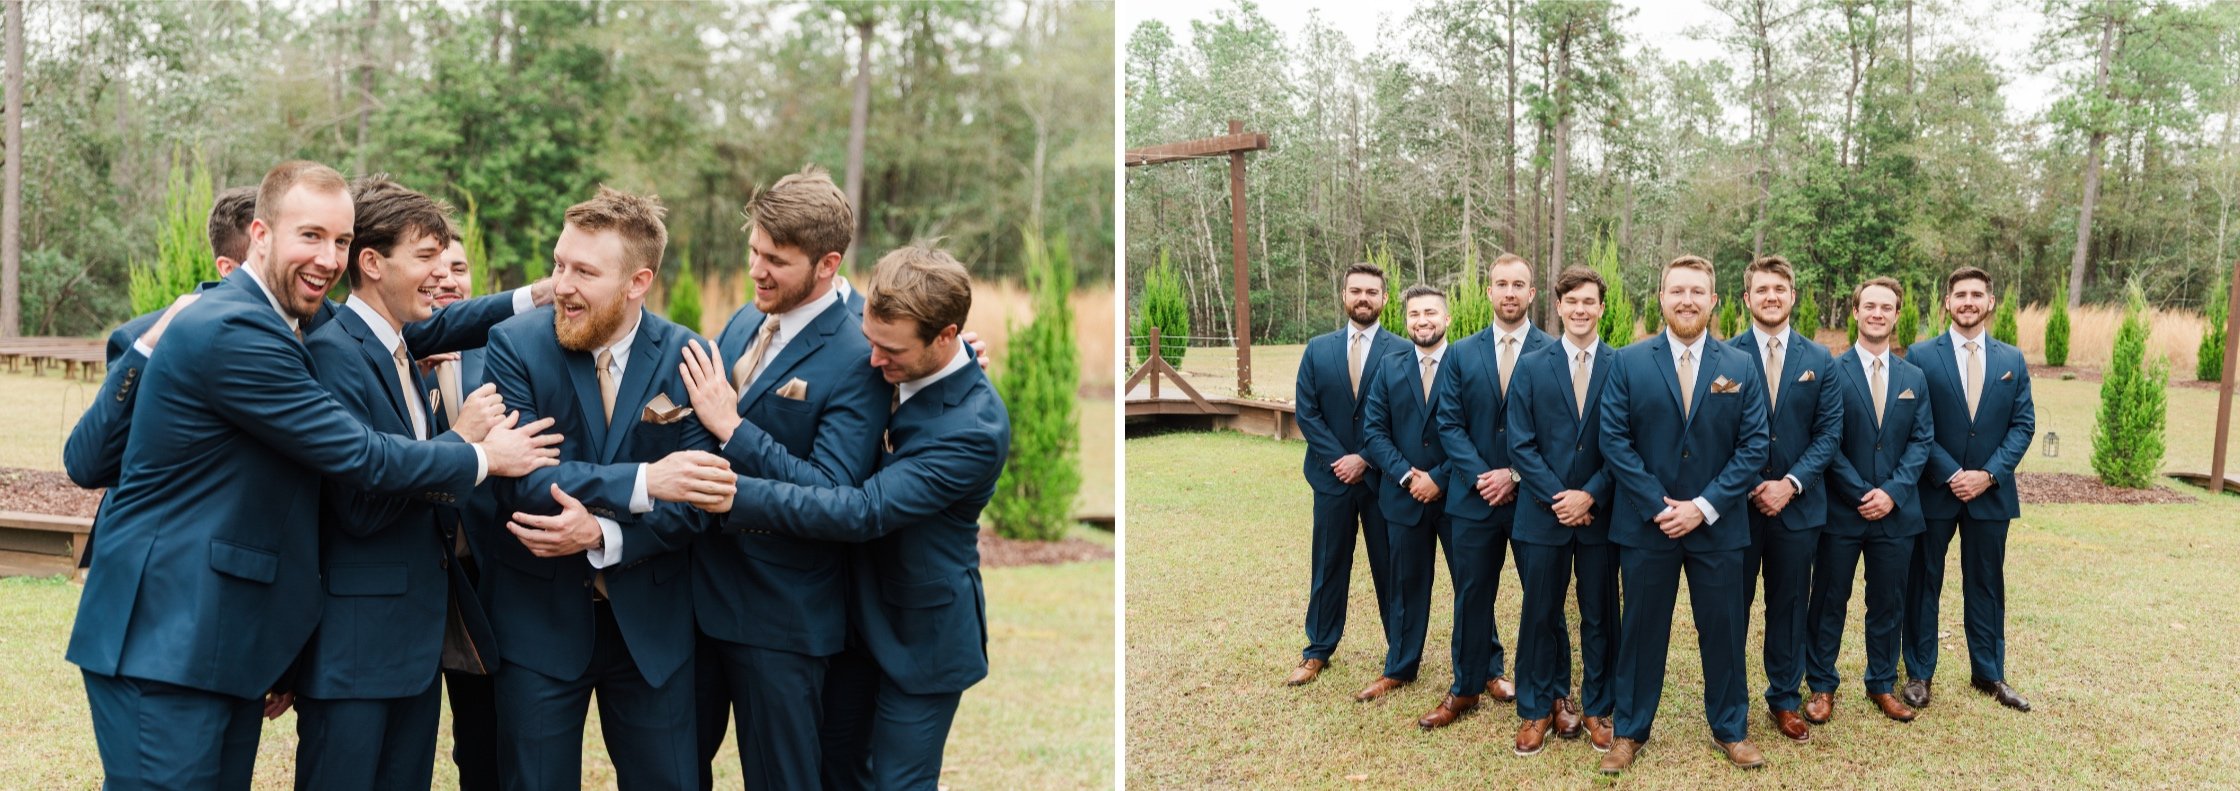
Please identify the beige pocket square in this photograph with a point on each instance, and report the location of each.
(2007, 377)
(794, 389)
(1725, 385)
(1907, 395)
(1808, 376)
(662, 411)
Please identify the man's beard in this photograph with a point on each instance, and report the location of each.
(1362, 313)
(591, 331)
(785, 300)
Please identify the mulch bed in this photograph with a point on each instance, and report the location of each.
(2062, 487)
(998, 552)
(44, 492)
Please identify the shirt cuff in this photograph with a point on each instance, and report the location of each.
(523, 301)
(1955, 476)
(1794, 484)
(481, 463)
(1710, 514)
(143, 348)
(606, 556)
(639, 502)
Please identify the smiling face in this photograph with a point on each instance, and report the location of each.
(594, 288)
(1581, 310)
(302, 251)
(784, 277)
(1509, 288)
(1364, 298)
(407, 278)
(1770, 298)
(1877, 314)
(460, 284)
(1686, 300)
(1968, 302)
(1427, 320)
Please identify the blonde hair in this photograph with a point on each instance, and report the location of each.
(636, 218)
(285, 176)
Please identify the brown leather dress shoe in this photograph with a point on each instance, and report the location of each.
(1744, 754)
(1306, 672)
(1566, 715)
(1378, 688)
(1448, 710)
(1502, 689)
(1620, 757)
(1891, 707)
(1598, 733)
(1792, 726)
(1916, 693)
(1531, 736)
(2000, 691)
(1820, 707)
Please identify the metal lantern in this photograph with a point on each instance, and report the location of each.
(2053, 445)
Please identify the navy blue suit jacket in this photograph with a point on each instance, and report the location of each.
(1328, 413)
(1803, 426)
(541, 607)
(1554, 448)
(1401, 430)
(1474, 420)
(1655, 452)
(1994, 441)
(386, 561)
(776, 590)
(920, 607)
(207, 575)
(1889, 457)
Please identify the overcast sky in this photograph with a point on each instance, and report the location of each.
(2009, 27)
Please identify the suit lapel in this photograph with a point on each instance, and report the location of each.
(1665, 369)
(384, 365)
(1707, 369)
(585, 381)
(647, 354)
(1595, 379)
(809, 339)
(1944, 357)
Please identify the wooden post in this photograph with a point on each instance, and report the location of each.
(2224, 391)
(1237, 258)
(1157, 352)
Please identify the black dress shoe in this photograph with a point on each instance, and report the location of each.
(1916, 693)
(1999, 691)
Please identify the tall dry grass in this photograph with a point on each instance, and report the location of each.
(996, 307)
(2174, 334)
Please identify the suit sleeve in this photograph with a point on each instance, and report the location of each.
(1540, 480)
(1905, 479)
(1376, 431)
(94, 453)
(462, 326)
(1307, 408)
(1941, 465)
(669, 527)
(846, 445)
(2022, 426)
(601, 486)
(1453, 419)
(1827, 432)
(1729, 491)
(1629, 473)
(914, 489)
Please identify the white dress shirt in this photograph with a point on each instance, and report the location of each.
(390, 340)
(1710, 514)
(1788, 346)
(1960, 364)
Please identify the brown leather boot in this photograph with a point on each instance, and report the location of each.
(1450, 709)
(1306, 672)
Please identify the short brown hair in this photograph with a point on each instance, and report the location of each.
(804, 210)
(1363, 268)
(229, 222)
(1886, 282)
(285, 176)
(1772, 265)
(389, 214)
(637, 218)
(1573, 277)
(1689, 262)
(1505, 259)
(1968, 273)
(921, 283)
(1421, 290)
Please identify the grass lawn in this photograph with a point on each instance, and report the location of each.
(2108, 636)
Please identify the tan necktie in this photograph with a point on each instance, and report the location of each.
(1580, 373)
(404, 385)
(1975, 377)
(447, 381)
(1354, 353)
(1876, 388)
(604, 364)
(743, 373)
(1428, 363)
(1508, 362)
(1773, 372)
(1687, 382)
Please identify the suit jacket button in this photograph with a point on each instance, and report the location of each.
(1878, 446)
(1683, 454)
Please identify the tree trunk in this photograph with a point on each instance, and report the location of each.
(365, 84)
(11, 206)
(1510, 137)
(859, 123)
(1559, 200)
(2093, 153)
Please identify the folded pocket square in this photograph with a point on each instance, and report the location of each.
(662, 411)
(1907, 395)
(1808, 376)
(2007, 377)
(795, 389)
(1725, 385)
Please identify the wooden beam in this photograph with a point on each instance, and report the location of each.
(1243, 287)
(1235, 143)
(2224, 390)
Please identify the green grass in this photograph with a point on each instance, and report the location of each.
(42, 409)
(2109, 635)
(1042, 719)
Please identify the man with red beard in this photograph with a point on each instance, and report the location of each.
(1979, 391)
(1336, 373)
(593, 594)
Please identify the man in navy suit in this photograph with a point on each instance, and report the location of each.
(772, 607)
(1481, 486)
(1684, 435)
(1400, 436)
(594, 595)
(1979, 389)
(1563, 523)
(920, 610)
(396, 609)
(207, 584)
(1336, 373)
(1887, 433)
(1788, 504)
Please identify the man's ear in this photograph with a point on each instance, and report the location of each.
(828, 266)
(368, 265)
(641, 281)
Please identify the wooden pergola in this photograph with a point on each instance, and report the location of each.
(1234, 145)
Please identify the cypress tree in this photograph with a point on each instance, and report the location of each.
(2002, 321)
(1616, 328)
(2208, 360)
(2057, 328)
(1164, 307)
(1040, 385)
(1468, 309)
(1652, 314)
(182, 244)
(2127, 441)
(1806, 318)
(1909, 321)
(684, 294)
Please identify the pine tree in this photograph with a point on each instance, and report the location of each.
(1040, 385)
(1395, 315)
(2127, 441)
(1652, 314)
(2208, 360)
(183, 258)
(1909, 321)
(2057, 328)
(1468, 308)
(1806, 319)
(684, 294)
(1851, 329)
(1730, 318)
(477, 247)
(2002, 321)
(1616, 328)
(1164, 307)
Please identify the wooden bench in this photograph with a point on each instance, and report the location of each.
(77, 356)
(78, 528)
